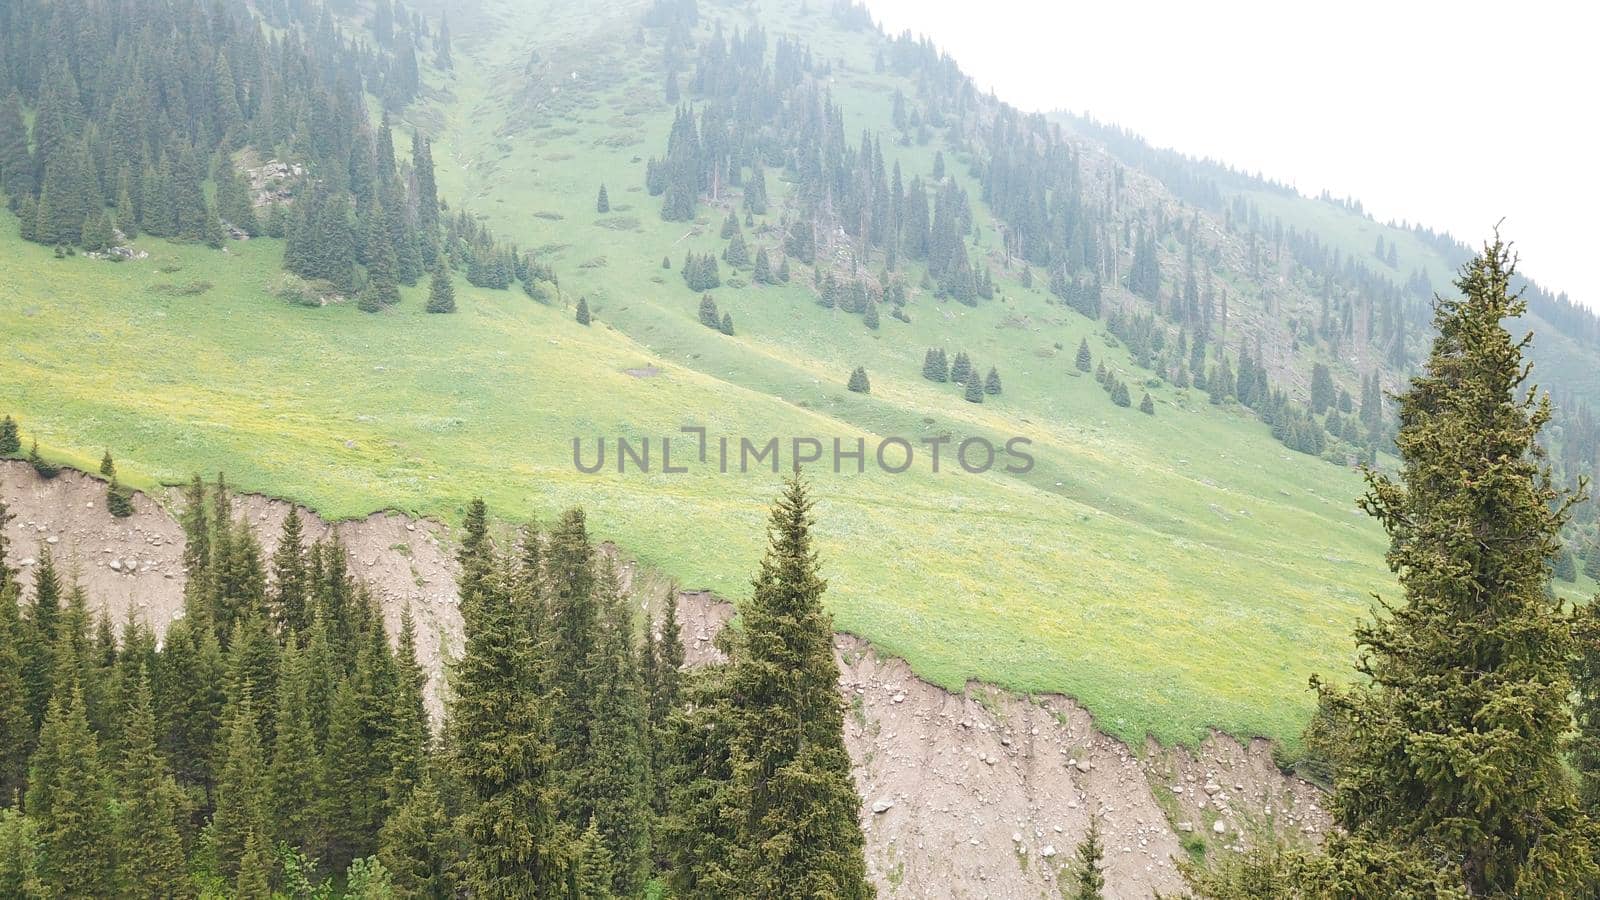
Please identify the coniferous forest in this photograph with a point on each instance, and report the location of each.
(274, 741)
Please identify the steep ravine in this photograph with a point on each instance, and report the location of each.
(979, 794)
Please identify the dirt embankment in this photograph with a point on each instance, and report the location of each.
(979, 794)
(137, 563)
(987, 793)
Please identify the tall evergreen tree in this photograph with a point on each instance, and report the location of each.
(68, 801)
(799, 835)
(10, 440)
(1449, 757)
(290, 609)
(295, 764)
(150, 855)
(241, 815)
(500, 750)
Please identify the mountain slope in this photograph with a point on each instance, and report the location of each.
(1172, 572)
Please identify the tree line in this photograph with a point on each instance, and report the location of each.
(275, 740)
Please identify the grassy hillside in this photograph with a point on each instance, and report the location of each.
(1174, 572)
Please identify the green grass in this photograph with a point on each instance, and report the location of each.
(1172, 573)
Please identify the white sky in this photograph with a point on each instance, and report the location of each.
(1455, 115)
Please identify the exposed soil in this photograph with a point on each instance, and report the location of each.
(980, 794)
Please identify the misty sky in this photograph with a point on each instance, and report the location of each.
(1455, 115)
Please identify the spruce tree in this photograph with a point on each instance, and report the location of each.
(858, 383)
(150, 855)
(991, 382)
(1147, 406)
(1448, 753)
(45, 469)
(1087, 881)
(500, 751)
(441, 294)
(582, 315)
(594, 873)
(417, 845)
(67, 800)
(799, 835)
(602, 204)
(1085, 361)
(10, 440)
(16, 728)
(974, 389)
(295, 765)
(617, 777)
(119, 500)
(726, 326)
(39, 638)
(408, 736)
(960, 368)
(290, 609)
(241, 795)
(702, 823)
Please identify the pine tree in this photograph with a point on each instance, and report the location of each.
(10, 441)
(870, 317)
(1085, 361)
(582, 315)
(189, 700)
(39, 637)
(701, 826)
(799, 835)
(417, 845)
(960, 368)
(1147, 406)
(119, 500)
(974, 388)
(859, 383)
(594, 874)
(1087, 881)
(1321, 389)
(16, 727)
(108, 466)
(726, 326)
(991, 382)
(500, 750)
(290, 609)
(602, 204)
(292, 774)
(254, 881)
(934, 367)
(408, 738)
(150, 854)
(67, 800)
(45, 469)
(1120, 395)
(241, 815)
(1585, 743)
(1469, 676)
(441, 294)
(708, 311)
(617, 777)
